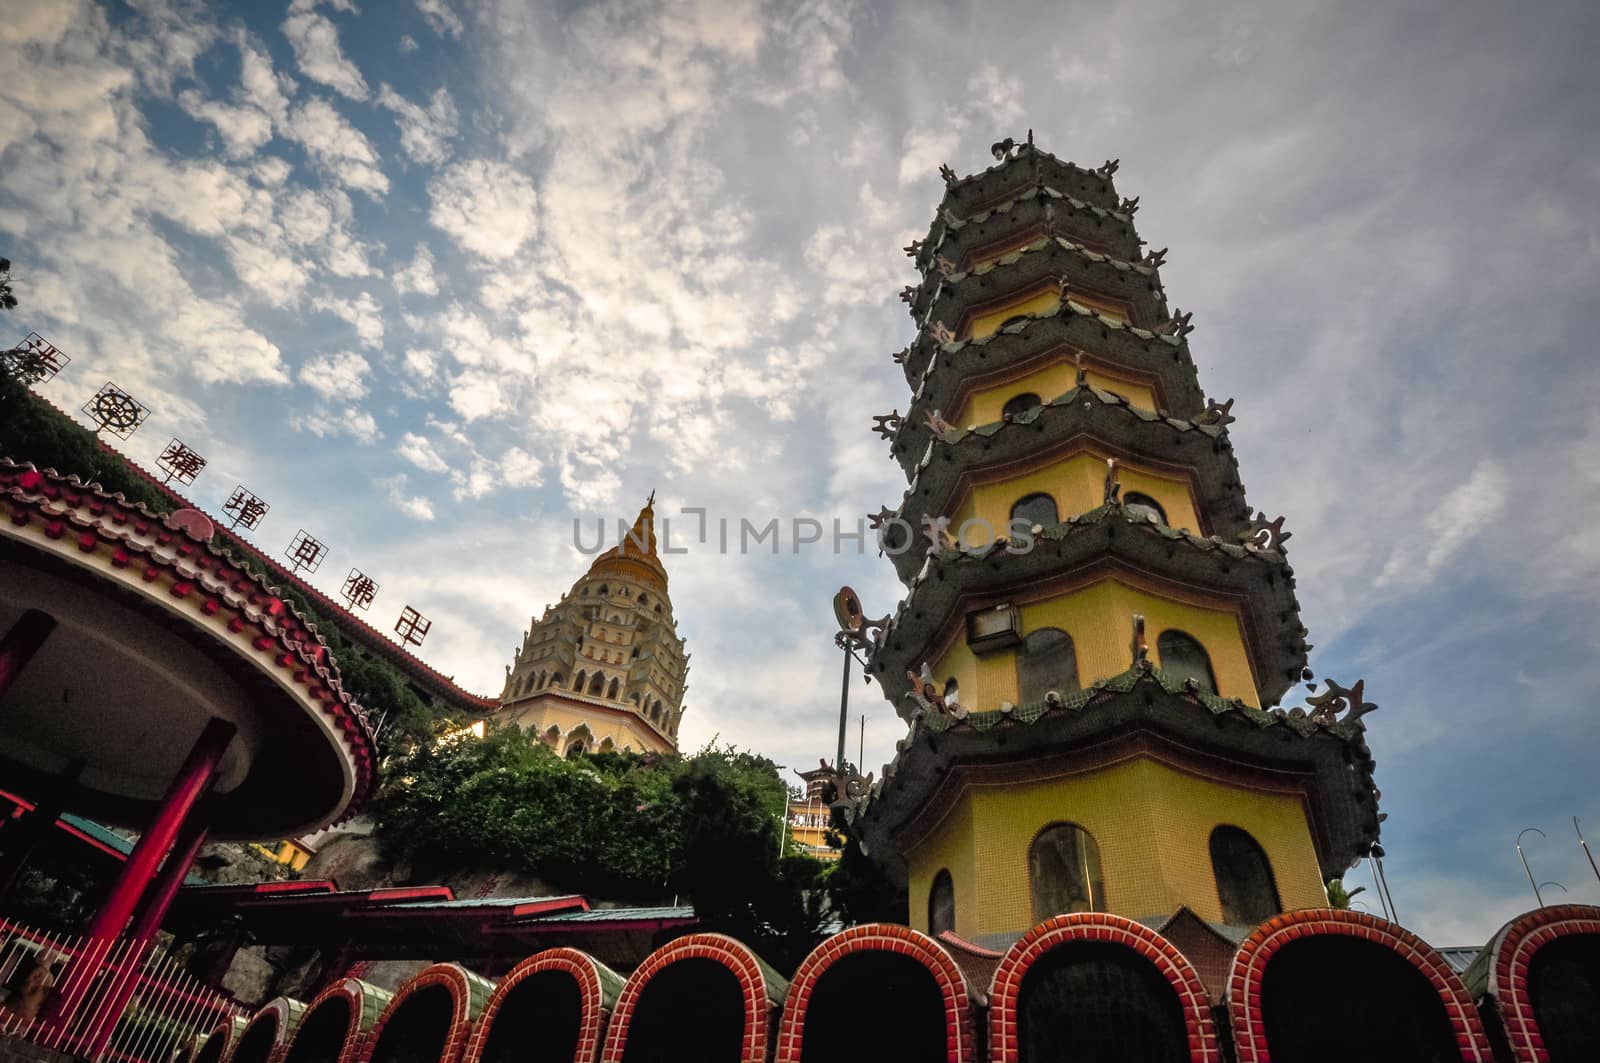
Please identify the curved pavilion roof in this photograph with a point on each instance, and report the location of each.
(156, 632)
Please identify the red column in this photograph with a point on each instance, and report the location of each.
(21, 643)
(161, 893)
(173, 872)
(191, 783)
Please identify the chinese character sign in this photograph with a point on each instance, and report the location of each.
(180, 462)
(245, 507)
(33, 361)
(114, 410)
(359, 590)
(306, 551)
(413, 626)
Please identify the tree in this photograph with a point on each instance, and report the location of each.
(1338, 896)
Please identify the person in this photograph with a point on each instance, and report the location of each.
(35, 988)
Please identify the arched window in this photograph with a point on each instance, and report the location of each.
(604, 589)
(1036, 509)
(608, 746)
(577, 680)
(1064, 872)
(555, 679)
(611, 691)
(597, 685)
(1046, 662)
(552, 737)
(1244, 878)
(1143, 506)
(634, 697)
(942, 904)
(1019, 404)
(1183, 656)
(644, 599)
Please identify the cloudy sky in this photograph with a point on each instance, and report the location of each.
(435, 278)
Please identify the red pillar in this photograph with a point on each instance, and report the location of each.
(173, 872)
(191, 783)
(19, 645)
(156, 904)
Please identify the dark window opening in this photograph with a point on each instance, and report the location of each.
(539, 1021)
(1036, 509)
(1244, 878)
(1046, 662)
(875, 1006)
(322, 1033)
(1564, 987)
(1385, 1011)
(1183, 656)
(1019, 404)
(1064, 872)
(211, 1051)
(942, 904)
(416, 1032)
(1143, 506)
(1099, 1002)
(257, 1042)
(691, 1011)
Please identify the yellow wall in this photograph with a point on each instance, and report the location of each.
(987, 324)
(537, 714)
(952, 850)
(1077, 483)
(1153, 824)
(1099, 618)
(1049, 382)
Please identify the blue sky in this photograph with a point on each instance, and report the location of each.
(434, 278)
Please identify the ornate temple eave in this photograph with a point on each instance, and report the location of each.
(953, 239)
(1029, 166)
(935, 761)
(1083, 327)
(1106, 542)
(949, 298)
(1079, 419)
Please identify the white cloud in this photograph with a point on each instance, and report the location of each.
(440, 18)
(419, 452)
(315, 40)
(363, 313)
(1452, 522)
(336, 146)
(488, 207)
(416, 507)
(418, 278)
(425, 132)
(408, 44)
(518, 468)
(341, 375)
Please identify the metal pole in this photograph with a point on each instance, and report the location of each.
(844, 719)
(1585, 845)
(1394, 913)
(861, 744)
(1524, 858)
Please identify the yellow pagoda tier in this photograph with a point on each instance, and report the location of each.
(604, 669)
(1097, 630)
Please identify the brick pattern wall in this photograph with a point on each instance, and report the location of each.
(1250, 965)
(762, 991)
(285, 1015)
(880, 937)
(1104, 927)
(1512, 952)
(365, 1003)
(598, 989)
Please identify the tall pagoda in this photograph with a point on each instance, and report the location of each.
(604, 668)
(1097, 630)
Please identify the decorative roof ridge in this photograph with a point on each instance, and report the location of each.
(341, 616)
(53, 494)
(953, 436)
(949, 223)
(1350, 729)
(926, 294)
(927, 332)
(1033, 153)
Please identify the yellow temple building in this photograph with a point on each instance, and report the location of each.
(604, 669)
(1097, 628)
